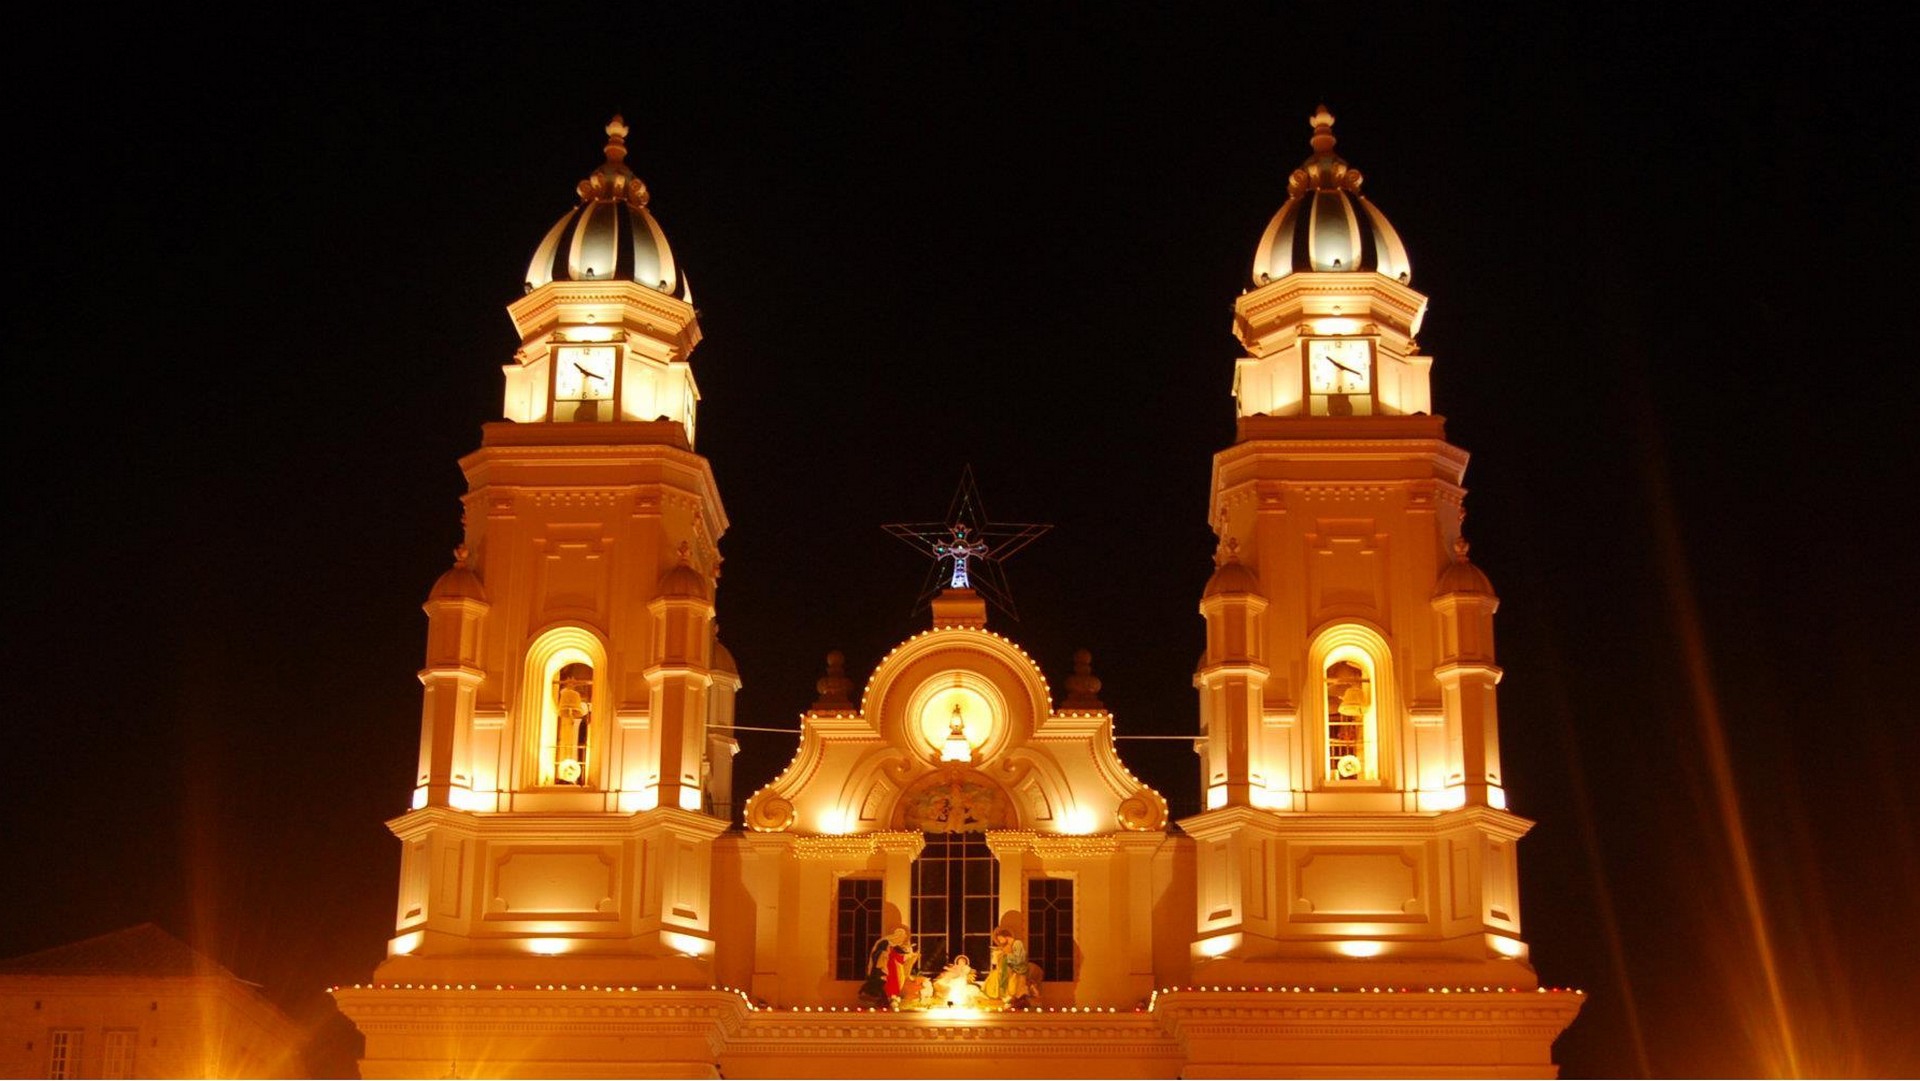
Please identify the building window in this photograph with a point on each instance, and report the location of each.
(116, 1053)
(564, 755)
(63, 1052)
(956, 891)
(856, 926)
(1352, 754)
(1050, 926)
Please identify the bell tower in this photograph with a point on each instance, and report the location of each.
(1356, 819)
(574, 734)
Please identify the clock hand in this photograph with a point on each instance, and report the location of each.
(1342, 367)
(588, 374)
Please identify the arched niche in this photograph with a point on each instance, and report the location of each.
(551, 686)
(1350, 668)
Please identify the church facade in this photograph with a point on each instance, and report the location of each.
(957, 874)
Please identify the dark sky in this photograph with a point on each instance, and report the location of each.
(258, 280)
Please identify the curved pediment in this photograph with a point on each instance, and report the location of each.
(956, 730)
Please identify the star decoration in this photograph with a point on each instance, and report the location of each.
(968, 548)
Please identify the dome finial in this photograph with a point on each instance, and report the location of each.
(1322, 122)
(613, 181)
(1083, 687)
(617, 138)
(834, 686)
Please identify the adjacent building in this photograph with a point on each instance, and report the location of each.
(138, 1003)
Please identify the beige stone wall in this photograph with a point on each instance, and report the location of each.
(189, 1027)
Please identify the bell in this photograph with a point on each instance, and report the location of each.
(1353, 702)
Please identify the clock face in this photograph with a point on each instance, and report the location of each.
(1339, 366)
(583, 373)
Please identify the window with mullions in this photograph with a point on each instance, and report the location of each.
(63, 1052)
(1050, 926)
(856, 926)
(116, 1053)
(956, 891)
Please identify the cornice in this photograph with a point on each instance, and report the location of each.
(1283, 1014)
(1409, 826)
(705, 1013)
(548, 824)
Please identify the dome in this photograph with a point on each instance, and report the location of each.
(723, 659)
(1326, 224)
(1231, 576)
(684, 581)
(1461, 576)
(609, 236)
(459, 583)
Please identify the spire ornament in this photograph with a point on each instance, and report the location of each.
(833, 686)
(614, 182)
(1324, 170)
(967, 548)
(1083, 687)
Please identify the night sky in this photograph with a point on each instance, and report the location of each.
(258, 272)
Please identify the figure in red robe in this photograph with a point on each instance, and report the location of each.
(888, 966)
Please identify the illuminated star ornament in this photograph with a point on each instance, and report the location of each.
(967, 548)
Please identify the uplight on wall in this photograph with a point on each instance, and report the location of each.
(402, 945)
(836, 821)
(1218, 945)
(548, 947)
(1507, 947)
(686, 945)
(1361, 948)
(1078, 820)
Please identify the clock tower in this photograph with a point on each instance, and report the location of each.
(575, 750)
(1355, 825)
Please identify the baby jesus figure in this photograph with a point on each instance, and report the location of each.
(955, 987)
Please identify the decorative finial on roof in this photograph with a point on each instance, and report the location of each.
(1460, 549)
(1083, 687)
(1323, 170)
(1322, 122)
(685, 552)
(834, 685)
(1228, 552)
(614, 182)
(459, 555)
(617, 138)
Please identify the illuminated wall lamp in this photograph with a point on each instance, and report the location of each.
(548, 947)
(1360, 948)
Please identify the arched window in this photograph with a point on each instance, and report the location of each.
(564, 710)
(1352, 704)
